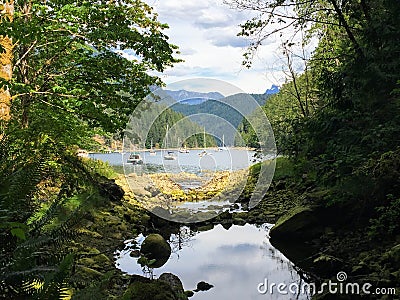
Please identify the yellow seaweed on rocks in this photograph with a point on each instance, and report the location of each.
(156, 188)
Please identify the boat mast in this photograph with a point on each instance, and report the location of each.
(204, 137)
(166, 138)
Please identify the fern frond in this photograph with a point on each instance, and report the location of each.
(50, 213)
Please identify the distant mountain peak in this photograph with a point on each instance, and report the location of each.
(273, 90)
(186, 96)
(194, 101)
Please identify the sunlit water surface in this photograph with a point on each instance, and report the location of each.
(234, 260)
(191, 162)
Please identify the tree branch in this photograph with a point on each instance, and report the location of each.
(25, 54)
(347, 28)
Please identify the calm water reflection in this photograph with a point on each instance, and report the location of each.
(235, 261)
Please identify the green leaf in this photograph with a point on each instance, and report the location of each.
(19, 233)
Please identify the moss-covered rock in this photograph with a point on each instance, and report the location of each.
(189, 294)
(206, 227)
(327, 264)
(167, 287)
(84, 274)
(302, 222)
(154, 290)
(239, 221)
(154, 247)
(110, 189)
(174, 282)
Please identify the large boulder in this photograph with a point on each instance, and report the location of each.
(301, 223)
(293, 232)
(173, 281)
(155, 247)
(108, 188)
(167, 287)
(154, 290)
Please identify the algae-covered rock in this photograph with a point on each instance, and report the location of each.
(189, 294)
(84, 274)
(300, 223)
(206, 227)
(239, 221)
(154, 247)
(173, 281)
(154, 290)
(327, 264)
(167, 287)
(224, 216)
(102, 259)
(360, 269)
(110, 189)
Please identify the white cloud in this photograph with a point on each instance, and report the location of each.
(222, 37)
(171, 9)
(230, 41)
(206, 32)
(187, 51)
(219, 17)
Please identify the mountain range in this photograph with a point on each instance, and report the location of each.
(273, 90)
(191, 98)
(212, 111)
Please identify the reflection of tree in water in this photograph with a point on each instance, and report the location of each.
(148, 272)
(182, 238)
(297, 275)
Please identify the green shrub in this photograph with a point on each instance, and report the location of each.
(388, 222)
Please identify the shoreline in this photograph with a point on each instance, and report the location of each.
(175, 149)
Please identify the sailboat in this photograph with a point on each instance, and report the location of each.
(204, 152)
(152, 151)
(222, 148)
(135, 159)
(182, 149)
(170, 154)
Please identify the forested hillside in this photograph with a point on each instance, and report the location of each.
(184, 133)
(335, 197)
(227, 109)
(62, 80)
(338, 123)
(340, 117)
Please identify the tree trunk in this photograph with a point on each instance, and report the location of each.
(346, 26)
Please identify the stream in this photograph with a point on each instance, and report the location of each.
(234, 260)
(239, 261)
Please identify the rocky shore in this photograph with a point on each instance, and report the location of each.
(320, 241)
(105, 229)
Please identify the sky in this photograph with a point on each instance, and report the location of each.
(206, 33)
